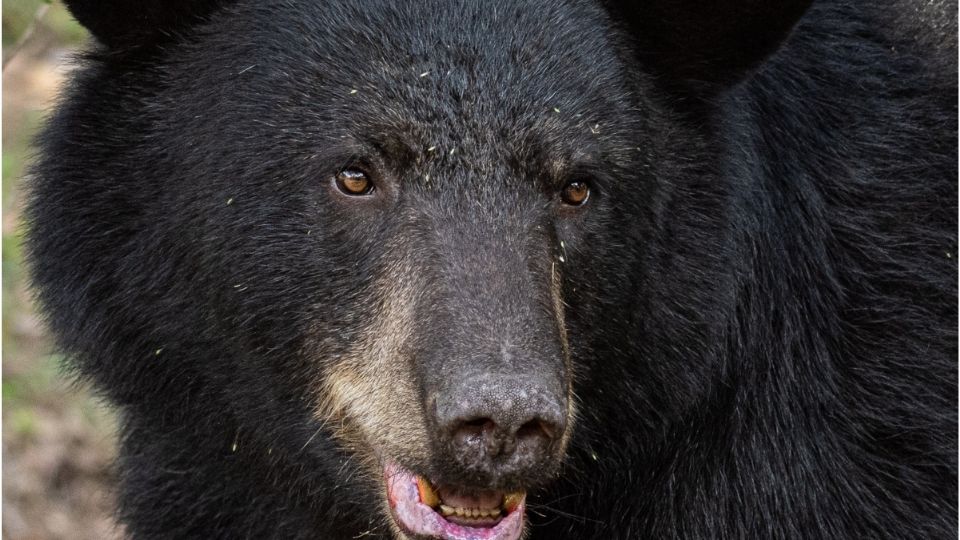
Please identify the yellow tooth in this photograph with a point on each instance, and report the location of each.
(512, 500)
(469, 513)
(428, 496)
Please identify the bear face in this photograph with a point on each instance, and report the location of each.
(403, 252)
(398, 269)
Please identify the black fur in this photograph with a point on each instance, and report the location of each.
(760, 299)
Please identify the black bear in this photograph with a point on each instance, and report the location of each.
(480, 270)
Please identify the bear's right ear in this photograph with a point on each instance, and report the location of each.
(706, 45)
(124, 23)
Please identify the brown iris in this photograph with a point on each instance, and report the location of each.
(354, 182)
(575, 193)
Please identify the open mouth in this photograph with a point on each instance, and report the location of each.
(429, 511)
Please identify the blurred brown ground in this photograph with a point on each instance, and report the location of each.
(58, 443)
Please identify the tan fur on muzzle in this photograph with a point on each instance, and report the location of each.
(369, 396)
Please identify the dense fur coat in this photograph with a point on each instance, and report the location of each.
(760, 303)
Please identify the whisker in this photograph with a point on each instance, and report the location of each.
(310, 440)
(559, 513)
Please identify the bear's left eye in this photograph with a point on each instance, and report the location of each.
(354, 182)
(575, 193)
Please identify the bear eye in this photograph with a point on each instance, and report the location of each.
(575, 193)
(354, 182)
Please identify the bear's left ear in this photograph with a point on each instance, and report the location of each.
(124, 23)
(706, 44)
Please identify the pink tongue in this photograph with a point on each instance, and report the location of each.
(485, 500)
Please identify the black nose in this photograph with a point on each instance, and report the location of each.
(500, 426)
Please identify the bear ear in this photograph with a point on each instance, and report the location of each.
(124, 23)
(706, 44)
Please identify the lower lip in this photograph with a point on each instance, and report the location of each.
(419, 519)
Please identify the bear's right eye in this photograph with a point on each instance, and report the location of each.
(575, 193)
(354, 182)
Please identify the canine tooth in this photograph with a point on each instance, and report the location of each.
(428, 496)
(512, 500)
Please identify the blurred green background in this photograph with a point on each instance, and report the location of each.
(58, 443)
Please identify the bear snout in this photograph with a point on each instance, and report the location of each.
(501, 430)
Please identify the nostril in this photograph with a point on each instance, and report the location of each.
(478, 427)
(474, 429)
(536, 428)
(478, 422)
